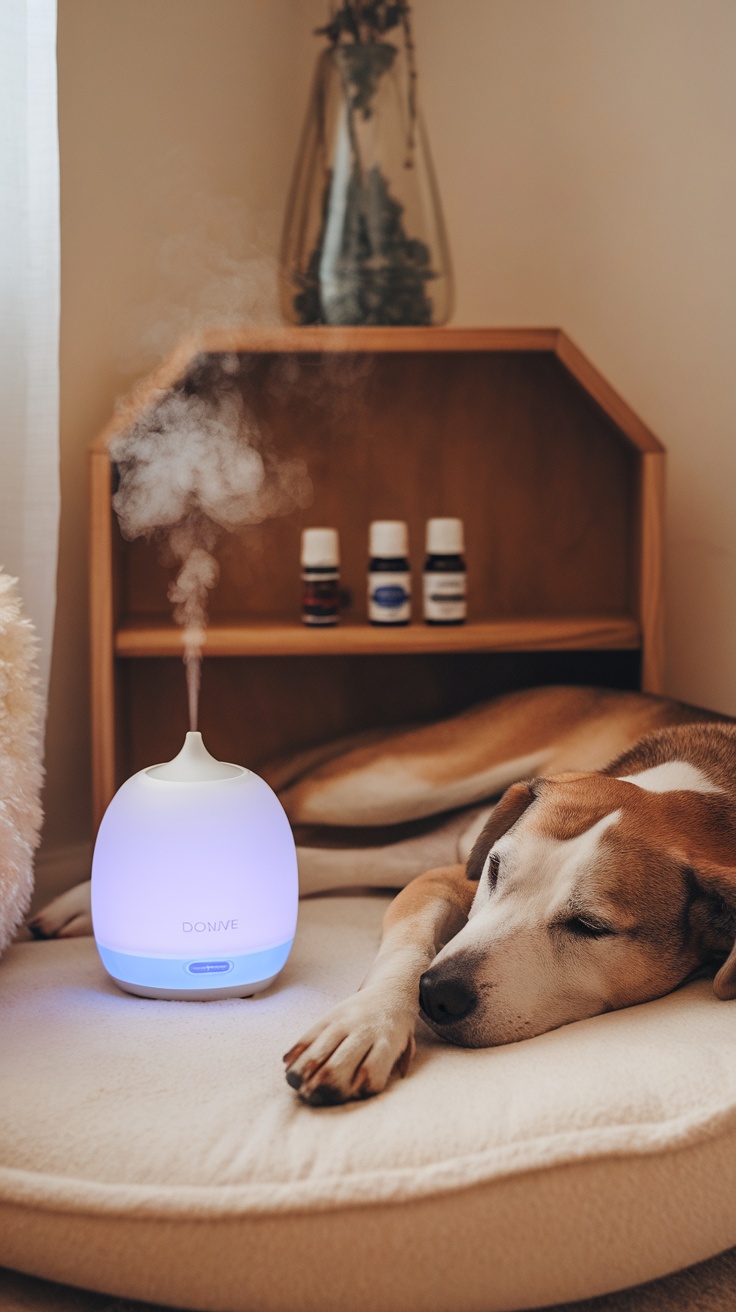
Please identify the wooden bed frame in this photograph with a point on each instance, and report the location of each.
(560, 485)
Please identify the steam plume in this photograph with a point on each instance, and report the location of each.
(193, 467)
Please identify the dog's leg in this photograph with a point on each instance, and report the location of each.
(354, 1050)
(68, 916)
(379, 858)
(457, 762)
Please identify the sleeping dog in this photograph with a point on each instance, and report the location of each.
(590, 886)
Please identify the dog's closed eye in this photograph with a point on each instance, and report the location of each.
(581, 928)
(493, 864)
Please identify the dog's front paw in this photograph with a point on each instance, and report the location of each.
(68, 916)
(352, 1052)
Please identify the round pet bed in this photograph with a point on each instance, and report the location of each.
(153, 1150)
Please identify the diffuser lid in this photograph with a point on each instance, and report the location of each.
(194, 765)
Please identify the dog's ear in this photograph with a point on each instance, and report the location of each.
(512, 805)
(718, 883)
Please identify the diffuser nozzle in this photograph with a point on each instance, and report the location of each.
(193, 764)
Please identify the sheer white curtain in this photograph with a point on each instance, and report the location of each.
(29, 309)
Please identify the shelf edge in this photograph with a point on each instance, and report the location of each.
(563, 634)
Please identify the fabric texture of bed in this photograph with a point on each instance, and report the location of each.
(709, 1286)
(153, 1150)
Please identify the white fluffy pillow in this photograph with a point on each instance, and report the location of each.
(21, 772)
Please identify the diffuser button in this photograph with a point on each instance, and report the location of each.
(209, 967)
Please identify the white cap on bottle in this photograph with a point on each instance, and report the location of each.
(320, 548)
(445, 537)
(388, 537)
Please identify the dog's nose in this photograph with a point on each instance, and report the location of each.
(445, 998)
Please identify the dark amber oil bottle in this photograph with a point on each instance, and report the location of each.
(445, 575)
(320, 577)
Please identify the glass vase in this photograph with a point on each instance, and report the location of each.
(364, 239)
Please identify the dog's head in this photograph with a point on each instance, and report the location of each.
(593, 894)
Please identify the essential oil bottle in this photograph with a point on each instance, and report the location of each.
(445, 577)
(320, 576)
(389, 580)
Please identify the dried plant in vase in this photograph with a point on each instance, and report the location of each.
(364, 239)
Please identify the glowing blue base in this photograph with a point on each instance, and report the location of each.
(196, 975)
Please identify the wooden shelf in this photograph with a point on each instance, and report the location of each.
(323, 341)
(287, 638)
(559, 482)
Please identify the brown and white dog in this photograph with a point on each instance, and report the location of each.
(590, 886)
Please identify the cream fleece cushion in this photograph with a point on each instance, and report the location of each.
(20, 759)
(153, 1150)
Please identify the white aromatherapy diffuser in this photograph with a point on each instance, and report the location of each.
(194, 881)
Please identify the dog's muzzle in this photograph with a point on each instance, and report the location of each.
(445, 997)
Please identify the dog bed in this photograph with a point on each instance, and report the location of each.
(153, 1150)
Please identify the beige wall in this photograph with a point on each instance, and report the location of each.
(587, 155)
(586, 152)
(178, 122)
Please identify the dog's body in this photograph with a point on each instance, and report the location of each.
(591, 887)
